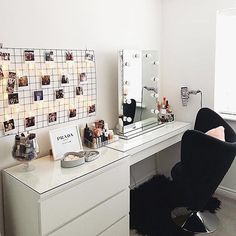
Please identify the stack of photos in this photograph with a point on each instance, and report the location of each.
(83, 78)
(49, 56)
(23, 81)
(38, 95)
(11, 82)
(45, 80)
(29, 55)
(64, 80)
(59, 94)
(72, 113)
(8, 125)
(79, 91)
(91, 109)
(5, 56)
(29, 122)
(13, 98)
(69, 56)
(1, 73)
(52, 117)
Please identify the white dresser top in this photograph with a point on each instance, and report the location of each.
(48, 173)
(155, 136)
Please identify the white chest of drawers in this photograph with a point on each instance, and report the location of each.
(88, 200)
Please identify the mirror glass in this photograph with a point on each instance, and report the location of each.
(138, 91)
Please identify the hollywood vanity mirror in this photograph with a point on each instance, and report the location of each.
(138, 92)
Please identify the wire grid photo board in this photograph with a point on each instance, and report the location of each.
(43, 87)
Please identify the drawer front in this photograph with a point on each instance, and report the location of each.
(98, 219)
(121, 228)
(65, 206)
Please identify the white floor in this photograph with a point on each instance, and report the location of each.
(227, 216)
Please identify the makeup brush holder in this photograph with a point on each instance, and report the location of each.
(25, 149)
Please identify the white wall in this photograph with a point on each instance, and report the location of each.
(188, 58)
(104, 25)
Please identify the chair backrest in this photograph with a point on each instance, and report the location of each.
(205, 159)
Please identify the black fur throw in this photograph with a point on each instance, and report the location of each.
(151, 204)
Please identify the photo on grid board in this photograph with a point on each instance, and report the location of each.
(5, 56)
(29, 55)
(89, 56)
(79, 91)
(83, 78)
(1, 73)
(59, 93)
(91, 109)
(52, 117)
(45, 80)
(72, 113)
(38, 95)
(69, 56)
(8, 125)
(49, 56)
(29, 122)
(11, 82)
(65, 80)
(23, 81)
(13, 98)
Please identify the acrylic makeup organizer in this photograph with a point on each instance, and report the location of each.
(34, 70)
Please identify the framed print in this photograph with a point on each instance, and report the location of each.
(66, 139)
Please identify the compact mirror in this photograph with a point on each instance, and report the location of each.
(138, 92)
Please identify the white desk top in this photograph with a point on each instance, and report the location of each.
(48, 174)
(158, 135)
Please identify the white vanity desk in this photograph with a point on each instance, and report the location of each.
(88, 200)
(152, 142)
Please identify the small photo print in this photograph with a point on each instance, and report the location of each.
(79, 91)
(45, 80)
(72, 113)
(49, 56)
(11, 82)
(69, 56)
(52, 117)
(89, 56)
(59, 94)
(8, 125)
(29, 55)
(1, 73)
(23, 81)
(13, 98)
(5, 56)
(29, 122)
(91, 109)
(64, 80)
(38, 95)
(83, 78)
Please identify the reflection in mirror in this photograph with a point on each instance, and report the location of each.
(138, 92)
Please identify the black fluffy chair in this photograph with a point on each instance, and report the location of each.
(204, 162)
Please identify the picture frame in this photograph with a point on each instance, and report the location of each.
(65, 140)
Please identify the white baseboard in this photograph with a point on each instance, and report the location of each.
(226, 192)
(144, 179)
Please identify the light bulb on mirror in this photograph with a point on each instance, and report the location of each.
(124, 118)
(154, 79)
(156, 63)
(155, 95)
(154, 111)
(129, 119)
